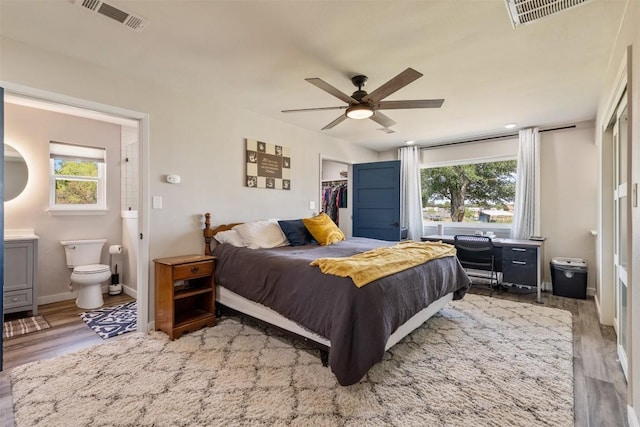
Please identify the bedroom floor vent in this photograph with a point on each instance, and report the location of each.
(528, 11)
(108, 9)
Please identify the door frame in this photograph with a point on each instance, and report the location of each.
(349, 209)
(143, 215)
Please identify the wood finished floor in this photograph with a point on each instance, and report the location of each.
(600, 390)
(68, 333)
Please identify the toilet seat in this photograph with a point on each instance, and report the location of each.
(92, 269)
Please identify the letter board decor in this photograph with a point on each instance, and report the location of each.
(268, 165)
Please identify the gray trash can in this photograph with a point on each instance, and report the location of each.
(569, 277)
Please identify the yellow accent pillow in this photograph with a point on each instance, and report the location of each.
(323, 229)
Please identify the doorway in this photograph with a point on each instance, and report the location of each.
(134, 125)
(335, 190)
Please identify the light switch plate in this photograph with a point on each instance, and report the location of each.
(312, 205)
(156, 202)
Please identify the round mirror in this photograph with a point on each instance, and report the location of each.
(16, 173)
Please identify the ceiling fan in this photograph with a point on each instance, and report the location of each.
(363, 105)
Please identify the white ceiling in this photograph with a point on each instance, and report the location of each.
(256, 55)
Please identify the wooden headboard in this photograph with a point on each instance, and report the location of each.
(209, 232)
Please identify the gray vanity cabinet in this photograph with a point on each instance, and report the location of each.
(20, 276)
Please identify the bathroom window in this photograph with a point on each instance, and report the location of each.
(78, 178)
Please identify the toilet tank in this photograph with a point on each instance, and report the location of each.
(83, 252)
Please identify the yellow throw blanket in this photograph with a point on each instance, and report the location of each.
(380, 262)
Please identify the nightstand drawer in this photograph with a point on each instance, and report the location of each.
(20, 298)
(191, 270)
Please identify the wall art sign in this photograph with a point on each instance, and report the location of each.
(268, 165)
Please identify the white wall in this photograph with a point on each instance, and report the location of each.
(30, 130)
(196, 138)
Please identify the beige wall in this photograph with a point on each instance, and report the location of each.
(569, 196)
(197, 138)
(505, 148)
(30, 130)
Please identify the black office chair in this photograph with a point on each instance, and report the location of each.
(476, 253)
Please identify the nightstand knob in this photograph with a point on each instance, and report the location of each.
(195, 269)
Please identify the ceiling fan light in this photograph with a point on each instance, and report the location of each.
(359, 112)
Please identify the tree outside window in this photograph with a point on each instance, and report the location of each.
(76, 182)
(78, 177)
(479, 192)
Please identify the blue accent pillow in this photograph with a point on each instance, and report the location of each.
(296, 232)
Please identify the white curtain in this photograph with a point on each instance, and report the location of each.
(525, 218)
(410, 192)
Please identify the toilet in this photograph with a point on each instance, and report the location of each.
(88, 274)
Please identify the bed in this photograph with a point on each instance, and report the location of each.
(356, 325)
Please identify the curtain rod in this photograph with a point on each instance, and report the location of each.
(490, 138)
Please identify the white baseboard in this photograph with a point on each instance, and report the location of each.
(48, 299)
(71, 295)
(632, 417)
(130, 291)
(547, 286)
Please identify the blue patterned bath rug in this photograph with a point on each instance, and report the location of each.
(111, 321)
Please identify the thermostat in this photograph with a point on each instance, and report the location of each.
(173, 179)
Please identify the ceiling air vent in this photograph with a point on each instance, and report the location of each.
(528, 11)
(110, 10)
(387, 130)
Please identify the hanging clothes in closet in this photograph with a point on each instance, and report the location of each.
(334, 196)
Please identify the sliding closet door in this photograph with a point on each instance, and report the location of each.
(621, 227)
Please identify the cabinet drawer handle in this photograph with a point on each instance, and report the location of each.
(518, 249)
(15, 299)
(519, 262)
(195, 269)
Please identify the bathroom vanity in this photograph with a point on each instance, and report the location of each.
(20, 271)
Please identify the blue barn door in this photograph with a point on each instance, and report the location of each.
(376, 200)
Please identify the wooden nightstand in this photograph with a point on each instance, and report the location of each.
(185, 293)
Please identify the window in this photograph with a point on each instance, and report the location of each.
(472, 193)
(77, 177)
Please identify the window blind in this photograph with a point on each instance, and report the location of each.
(62, 150)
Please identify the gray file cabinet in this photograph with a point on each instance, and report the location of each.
(520, 265)
(20, 275)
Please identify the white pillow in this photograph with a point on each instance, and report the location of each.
(230, 236)
(261, 234)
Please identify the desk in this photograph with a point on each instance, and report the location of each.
(519, 261)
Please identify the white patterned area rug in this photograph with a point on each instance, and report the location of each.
(479, 362)
(109, 322)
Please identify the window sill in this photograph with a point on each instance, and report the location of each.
(61, 212)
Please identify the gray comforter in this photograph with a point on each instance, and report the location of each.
(357, 321)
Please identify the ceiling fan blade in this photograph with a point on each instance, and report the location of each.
(335, 122)
(417, 103)
(332, 90)
(385, 121)
(343, 107)
(393, 85)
